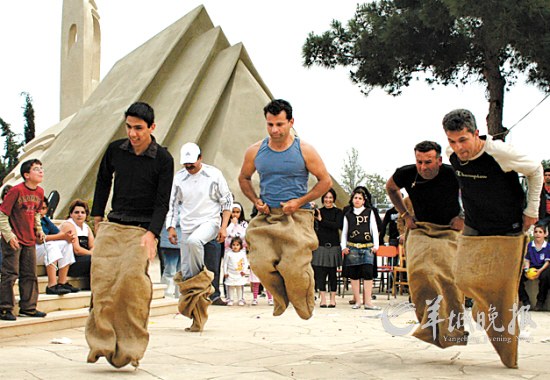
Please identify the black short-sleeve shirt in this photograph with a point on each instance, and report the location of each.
(435, 200)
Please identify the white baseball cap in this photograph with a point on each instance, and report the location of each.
(189, 153)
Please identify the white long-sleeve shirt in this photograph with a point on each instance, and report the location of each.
(198, 198)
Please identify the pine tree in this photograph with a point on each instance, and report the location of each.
(29, 118)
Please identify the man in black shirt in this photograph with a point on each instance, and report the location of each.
(122, 292)
(431, 242)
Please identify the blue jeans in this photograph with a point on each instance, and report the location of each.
(172, 264)
(213, 261)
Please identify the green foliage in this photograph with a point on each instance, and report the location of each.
(377, 187)
(388, 43)
(10, 159)
(546, 164)
(28, 113)
(353, 174)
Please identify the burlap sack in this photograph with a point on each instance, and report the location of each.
(121, 296)
(280, 250)
(431, 255)
(194, 301)
(488, 269)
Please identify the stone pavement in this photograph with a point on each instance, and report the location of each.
(249, 343)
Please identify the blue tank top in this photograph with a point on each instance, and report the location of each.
(283, 175)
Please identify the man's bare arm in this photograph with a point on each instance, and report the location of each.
(245, 178)
(394, 192)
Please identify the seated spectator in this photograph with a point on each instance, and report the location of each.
(83, 245)
(56, 253)
(537, 258)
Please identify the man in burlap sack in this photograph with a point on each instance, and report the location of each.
(281, 237)
(491, 249)
(199, 193)
(431, 242)
(121, 288)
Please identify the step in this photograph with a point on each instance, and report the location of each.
(51, 302)
(68, 319)
(78, 282)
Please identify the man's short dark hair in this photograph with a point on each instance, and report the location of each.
(27, 165)
(143, 111)
(459, 119)
(277, 106)
(546, 170)
(426, 146)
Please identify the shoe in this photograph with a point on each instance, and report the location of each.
(219, 302)
(323, 306)
(32, 313)
(468, 303)
(254, 302)
(526, 302)
(373, 296)
(373, 307)
(356, 306)
(7, 315)
(229, 303)
(270, 302)
(241, 303)
(352, 302)
(69, 287)
(332, 306)
(57, 289)
(539, 306)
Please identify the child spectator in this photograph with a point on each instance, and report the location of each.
(56, 253)
(21, 230)
(236, 228)
(538, 258)
(255, 285)
(234, 265)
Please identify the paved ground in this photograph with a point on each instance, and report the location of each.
(249, 343)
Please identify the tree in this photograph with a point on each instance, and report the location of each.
(353, 174)
(546, 164)
(10, 159)
(377, 187)
(389, 42)
(28, 113)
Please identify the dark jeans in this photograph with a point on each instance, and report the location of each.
(544, 286)
(321, 274)
(213, 262)
(19, 263)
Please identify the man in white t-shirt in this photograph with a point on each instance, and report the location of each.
(199, 195)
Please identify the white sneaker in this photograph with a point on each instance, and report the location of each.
(229, 303)
(254, 302)
(356, 306)
(270, 302)
(242, 303)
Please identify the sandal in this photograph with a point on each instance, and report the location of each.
(323, 306)
(332, 305)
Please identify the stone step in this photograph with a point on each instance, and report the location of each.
(51, 302)
(78, 282)
(68, 319)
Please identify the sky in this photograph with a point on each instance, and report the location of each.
(329, 111)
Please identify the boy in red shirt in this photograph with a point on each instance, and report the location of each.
(21, 230)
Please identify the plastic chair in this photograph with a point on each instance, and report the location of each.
(400, 273)
(387, 253)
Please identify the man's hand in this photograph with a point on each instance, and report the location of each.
(457, 223)
(172, 235)
(290, 207)
(410, 222)
(225, 276)
(149, 241)
(222, 234)
(528, 222)
(262, 207)
(14, 243)
(97, 220)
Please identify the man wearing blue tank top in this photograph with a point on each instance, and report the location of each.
(281, 238)
(498, 212)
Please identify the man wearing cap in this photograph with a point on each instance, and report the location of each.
(121, 289)
(199, 193)
(281, 237)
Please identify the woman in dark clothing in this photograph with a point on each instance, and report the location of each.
(328, 257)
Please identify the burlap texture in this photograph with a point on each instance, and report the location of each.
(280, 249)
(121, 296)
(431, 254)
(194, 301)
(488, 269)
